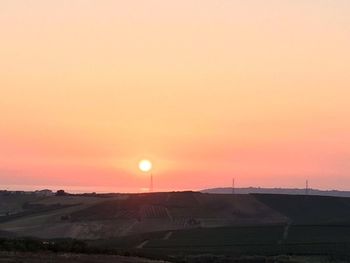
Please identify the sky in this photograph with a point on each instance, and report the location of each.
(207, 90)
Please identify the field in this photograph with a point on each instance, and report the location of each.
(182, 224)
(44, 257)
(86, 217)
(236, 241)
(68, 258)
(309, 209)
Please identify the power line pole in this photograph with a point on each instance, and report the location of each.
(307, 187)
(151, 184)
(233, 185)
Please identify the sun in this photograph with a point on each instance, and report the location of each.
(145, 165)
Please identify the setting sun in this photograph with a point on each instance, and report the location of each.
(159, 128)
(203, 89)
(145, 165)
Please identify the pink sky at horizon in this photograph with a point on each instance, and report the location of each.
(207, 90)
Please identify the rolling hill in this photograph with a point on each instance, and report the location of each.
(282, 191)
(101, 217)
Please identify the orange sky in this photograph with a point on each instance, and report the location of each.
(208, 90)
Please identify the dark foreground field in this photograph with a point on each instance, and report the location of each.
(20, 257)
(177, 227)
(68, 258)
(267, 241)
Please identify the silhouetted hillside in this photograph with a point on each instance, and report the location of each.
(289, 191)
(302, 209)
(180, 223)
(85, 217)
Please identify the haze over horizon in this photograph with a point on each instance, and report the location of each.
(206, 90)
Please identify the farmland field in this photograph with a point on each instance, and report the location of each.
(185, 223)
(234, 241)
(309, 209)
(68, 258)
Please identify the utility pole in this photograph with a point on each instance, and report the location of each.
(307, 187)
(151, 184)
(233, 185)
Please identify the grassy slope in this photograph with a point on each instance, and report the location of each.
(309, 209)
(248, 224)
(14, 203)
(94, 217)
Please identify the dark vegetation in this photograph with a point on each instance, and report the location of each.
(49, 257)
(238, 241)
(36, 245)
(249, 252)
(309, 226)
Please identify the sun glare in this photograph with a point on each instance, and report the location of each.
(145, 165)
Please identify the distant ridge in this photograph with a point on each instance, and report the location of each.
(289, 191)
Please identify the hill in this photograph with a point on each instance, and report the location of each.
(183, 223)
(98, 217)
(285, 191)
(121, 215)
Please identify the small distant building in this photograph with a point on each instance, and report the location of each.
(61, 193)
(44, 192)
